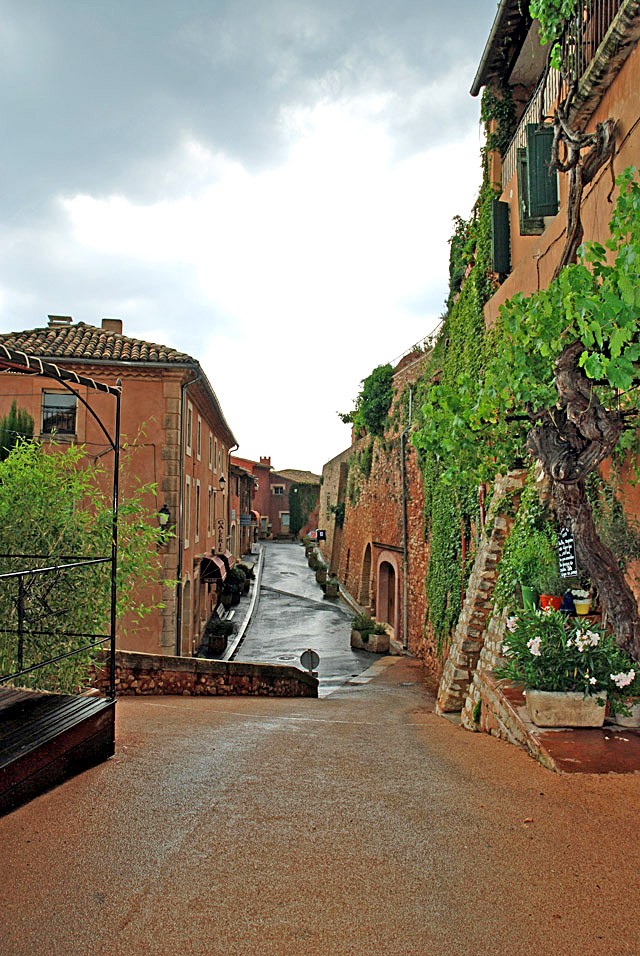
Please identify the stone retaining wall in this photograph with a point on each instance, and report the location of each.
(148, 674)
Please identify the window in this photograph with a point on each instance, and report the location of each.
(500, 238)
(210, 514)
(542, 178)
(210, 451)
(189, 429)
(277, 489)
(58, 413)
(215, 454)
(196, 534)
(199, 439)
(529, 225)
(187, 512)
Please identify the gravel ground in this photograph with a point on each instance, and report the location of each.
(355, 824)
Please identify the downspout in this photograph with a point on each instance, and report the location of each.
(405, 531)
(183, 419)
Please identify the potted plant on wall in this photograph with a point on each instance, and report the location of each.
(567, 667)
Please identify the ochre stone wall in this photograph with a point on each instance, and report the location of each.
(373, 527)
(149, 674)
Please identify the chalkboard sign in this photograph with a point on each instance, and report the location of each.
(567, 563)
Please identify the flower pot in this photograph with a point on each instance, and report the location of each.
(550, 600)
(633, 719)
(529, 596)
(582, 607)
(548, 708)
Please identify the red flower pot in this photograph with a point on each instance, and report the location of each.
(550, 600)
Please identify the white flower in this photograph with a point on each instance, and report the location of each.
(534, 646)
(512, 623)
(623, 680)
(593, 680)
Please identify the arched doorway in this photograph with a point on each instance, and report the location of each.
(386, 606)
(364, 595)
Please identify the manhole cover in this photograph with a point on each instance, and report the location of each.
(287, 657)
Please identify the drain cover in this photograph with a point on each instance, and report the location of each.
(287, 657)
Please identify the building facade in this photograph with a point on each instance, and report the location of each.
(174, 435)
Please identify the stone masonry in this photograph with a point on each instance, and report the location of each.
(156, 674)
(471, 630)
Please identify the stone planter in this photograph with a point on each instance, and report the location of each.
(548, 708)
(633, 720)
(321, 575)
(367, 641)
(332, 589)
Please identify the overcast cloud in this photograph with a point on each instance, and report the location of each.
(267, 185)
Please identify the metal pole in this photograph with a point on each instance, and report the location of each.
(114, 550)
(405, 532)
(20, 622)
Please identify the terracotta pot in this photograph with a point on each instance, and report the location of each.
(549, 708)
(550, 600)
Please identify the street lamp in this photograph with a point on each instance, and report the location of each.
(164, 516)
(222, 482)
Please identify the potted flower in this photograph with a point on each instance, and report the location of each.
(565, 665)
(550, 587)
(333, 587)
(625, 700)
(370, 635)
(581, 601)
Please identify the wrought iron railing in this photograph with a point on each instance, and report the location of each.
(582, 40)
(39, 647)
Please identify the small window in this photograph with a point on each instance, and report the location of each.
(199, 439)
(189, 429)
(277, 489)
(197, 524)
(529, 225)
(210, 451)
(58, 413)
(542, 178)
(187, 511)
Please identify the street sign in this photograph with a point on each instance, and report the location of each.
(322, 535)
(309, 660)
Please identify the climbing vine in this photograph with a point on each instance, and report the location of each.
(303, 499)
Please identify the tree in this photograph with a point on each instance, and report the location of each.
(561, 381)
(14, 426)
(53, 507)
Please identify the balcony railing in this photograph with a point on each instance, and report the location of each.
(583, 40)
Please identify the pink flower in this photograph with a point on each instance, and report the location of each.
(534, 646)
(512, 623)
(623, 680)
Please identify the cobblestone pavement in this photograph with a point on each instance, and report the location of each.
(353, 825)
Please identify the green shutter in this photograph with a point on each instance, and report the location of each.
(528, 226)
(500, 238)
(542, 180)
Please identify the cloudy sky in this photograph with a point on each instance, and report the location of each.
(268, 185)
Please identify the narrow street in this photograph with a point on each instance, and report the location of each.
(293, 615)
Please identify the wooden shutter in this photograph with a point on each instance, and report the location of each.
(500, 238)
(542, 180)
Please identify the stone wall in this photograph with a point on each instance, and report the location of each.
(471, 634)
(373, 527)
(149, 674)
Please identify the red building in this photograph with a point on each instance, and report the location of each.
(178, 437)
(271, 497)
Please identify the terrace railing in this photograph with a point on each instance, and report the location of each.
(584, 37)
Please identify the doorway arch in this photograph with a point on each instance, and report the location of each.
(388, 590)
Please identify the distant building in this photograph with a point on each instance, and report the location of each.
(179, 439)
(272, 497)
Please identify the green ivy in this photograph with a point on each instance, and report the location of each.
(303, 499)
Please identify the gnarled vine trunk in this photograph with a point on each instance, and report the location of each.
(570, 441)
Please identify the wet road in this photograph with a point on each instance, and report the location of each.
(293, 615)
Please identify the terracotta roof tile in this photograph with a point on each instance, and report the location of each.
(82, 341)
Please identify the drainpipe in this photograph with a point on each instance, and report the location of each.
(405, 531)
(183, 419)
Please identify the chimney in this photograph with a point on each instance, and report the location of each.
(112, 325)
(265, 461)
(58, 320)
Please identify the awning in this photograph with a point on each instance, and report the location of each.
(227, 558)
(255, 517)
(212, 568)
